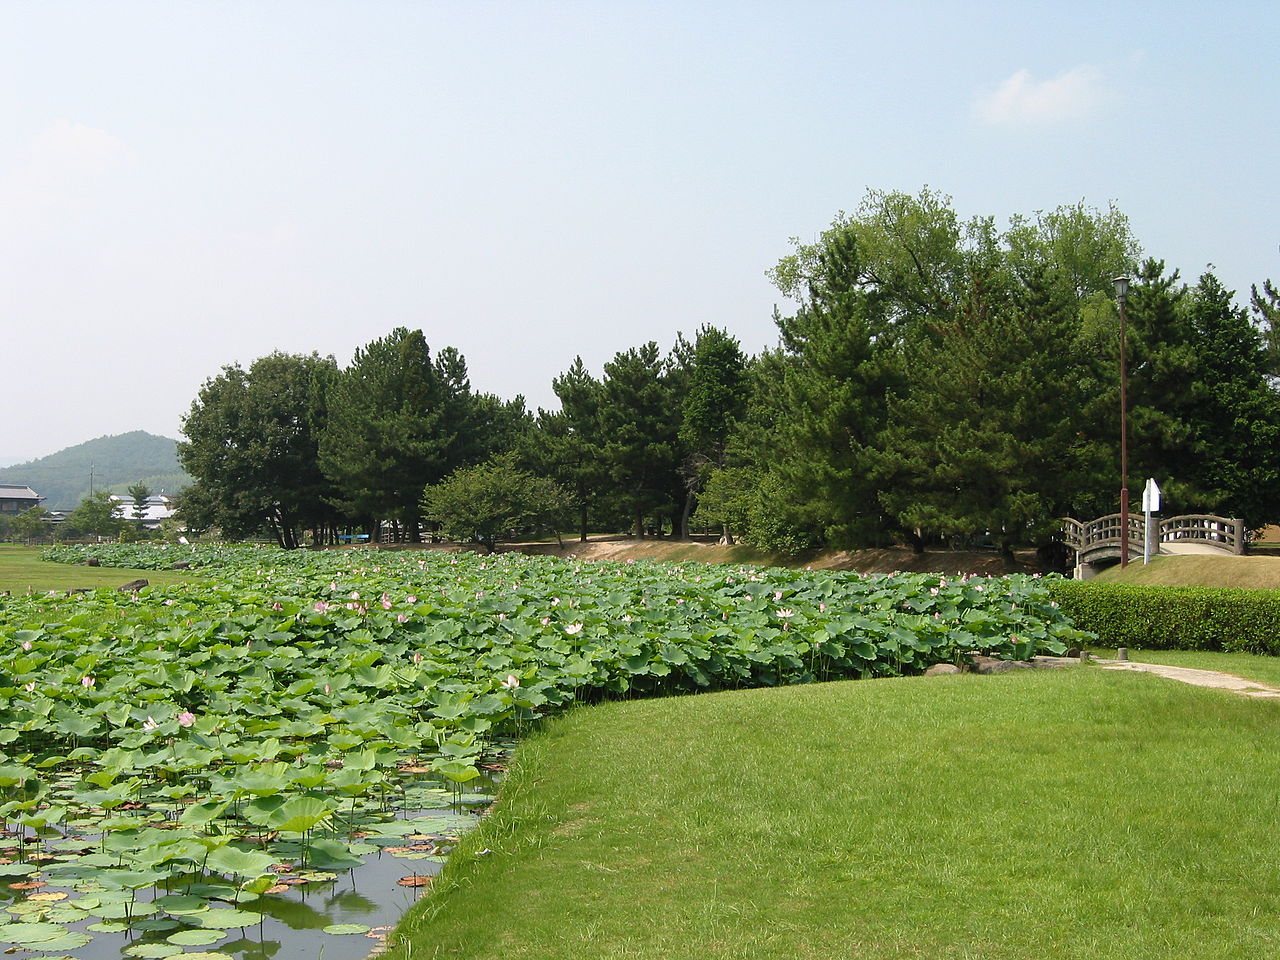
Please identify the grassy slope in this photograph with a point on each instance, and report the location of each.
(21, 570)
(1259, 573)
(1248, 665)
(1070, 814)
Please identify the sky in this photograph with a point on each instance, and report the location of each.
(189, 185)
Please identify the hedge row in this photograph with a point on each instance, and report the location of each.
(1173, 618)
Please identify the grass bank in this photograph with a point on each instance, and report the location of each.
(1248, 665)
(22, 570)
(1070, 814)
(1250, 573)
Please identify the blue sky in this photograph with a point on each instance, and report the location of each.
(187, 185)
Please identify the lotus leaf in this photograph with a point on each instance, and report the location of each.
(346, 928)
(180, 904)
(196, 938)
(156, 951)
(225, 919)
(28, 933)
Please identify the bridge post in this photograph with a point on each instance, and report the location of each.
(1240, 534)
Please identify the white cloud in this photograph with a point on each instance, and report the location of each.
(1022, 99)
(62, 163)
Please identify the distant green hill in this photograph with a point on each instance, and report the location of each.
(62, 478)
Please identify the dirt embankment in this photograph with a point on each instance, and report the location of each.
(884, 560)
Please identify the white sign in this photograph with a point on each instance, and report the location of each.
(1151, 497)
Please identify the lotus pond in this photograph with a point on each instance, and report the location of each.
(294, 743)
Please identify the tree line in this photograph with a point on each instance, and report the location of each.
(939, 381)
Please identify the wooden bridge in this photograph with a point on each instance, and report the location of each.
(1097, 542)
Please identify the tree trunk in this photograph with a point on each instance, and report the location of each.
(728, 534)
(684, 515)
(639, 529)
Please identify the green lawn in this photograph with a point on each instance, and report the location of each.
(1248, 665)
(1258, 573)
(22, 570)
(1070, 814)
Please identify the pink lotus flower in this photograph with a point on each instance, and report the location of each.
(186, 718)
(26, 644)
(87, 682)
(321, 607)
(386, 604)
(277, 605)
(785, 613)
(402, 618)
(511, 682)
(411, 598)
(573, 628)
(149, 724)
(30, 686)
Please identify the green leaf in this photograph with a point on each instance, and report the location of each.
(197, 938)
(346, 928)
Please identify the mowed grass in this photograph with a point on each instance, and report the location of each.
(22, 570)
(1069, 814)
(1251, 666)
(1252, 573)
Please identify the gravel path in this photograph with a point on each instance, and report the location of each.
(1197, 678)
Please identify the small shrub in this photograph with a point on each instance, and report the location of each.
(1173, 618)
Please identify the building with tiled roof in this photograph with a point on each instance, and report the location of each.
(15, 498)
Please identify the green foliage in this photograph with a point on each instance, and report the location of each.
(399, 420)
(139, 492)
(567, 445)
(1173, 618)
(984, 437)
(493, 501)
(252, 445)
(30, 524)
(638, 424)
(715, 388)
(97, 516)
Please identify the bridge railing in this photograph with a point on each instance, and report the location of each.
(1226, 533)
(1105, 531)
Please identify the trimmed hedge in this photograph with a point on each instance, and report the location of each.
(1173, 618)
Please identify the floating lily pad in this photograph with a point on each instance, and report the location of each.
(25, 933)
(346, 928)
(180, 904)
(158, 951)
(71, 940)
(120, 911)
(155, 925)
(225, 919)
(196, 938)
(108, 926)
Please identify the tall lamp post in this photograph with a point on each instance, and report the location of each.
(1122, 296)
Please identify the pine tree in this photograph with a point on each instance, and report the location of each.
(639, 420)
(392, 428)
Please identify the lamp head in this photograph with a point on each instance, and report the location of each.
(1122, 289)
